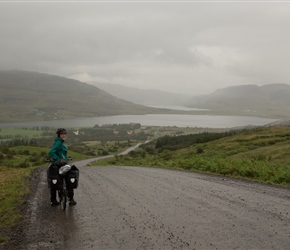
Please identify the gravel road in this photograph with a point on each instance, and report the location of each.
(150, 208)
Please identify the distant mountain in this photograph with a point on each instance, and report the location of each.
(31, 96)
(272, 100)
(150, 97)
(37, 96)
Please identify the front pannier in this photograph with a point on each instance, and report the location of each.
(72, 178)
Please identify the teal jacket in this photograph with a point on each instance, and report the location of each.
(58, 150)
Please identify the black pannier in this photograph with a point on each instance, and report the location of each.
(53, 177)
(72, 177)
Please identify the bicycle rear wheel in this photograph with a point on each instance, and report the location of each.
(63, 198)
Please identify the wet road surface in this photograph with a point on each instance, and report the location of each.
(150, 208)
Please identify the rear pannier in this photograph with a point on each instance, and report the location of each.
(72, 177)
(53, 177)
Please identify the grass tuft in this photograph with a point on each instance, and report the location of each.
(13, 186)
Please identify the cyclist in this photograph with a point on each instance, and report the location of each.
(58, 154)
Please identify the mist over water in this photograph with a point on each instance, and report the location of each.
(203, 121)
(175, 108)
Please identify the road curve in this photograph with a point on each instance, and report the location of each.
(151, 208)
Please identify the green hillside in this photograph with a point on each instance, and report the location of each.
(261, 154)
(36, 96)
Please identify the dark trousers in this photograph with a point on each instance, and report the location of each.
(70, 194)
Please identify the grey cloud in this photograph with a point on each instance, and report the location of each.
(154, 44)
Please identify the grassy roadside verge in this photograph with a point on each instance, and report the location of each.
(13, 186)
(261, 154)
(260, 171)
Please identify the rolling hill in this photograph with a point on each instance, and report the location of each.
(36, 96)
(32, 96)
(272, 100)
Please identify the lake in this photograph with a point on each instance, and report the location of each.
(204, 121)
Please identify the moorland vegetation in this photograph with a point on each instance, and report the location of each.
(260, 154)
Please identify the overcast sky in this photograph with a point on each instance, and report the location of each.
(184, 47)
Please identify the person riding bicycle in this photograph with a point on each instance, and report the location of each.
(58, 154)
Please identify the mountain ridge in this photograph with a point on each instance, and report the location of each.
(269, 100)
(145, 97)
(272, 100)
(35, 96)
(31, 95)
